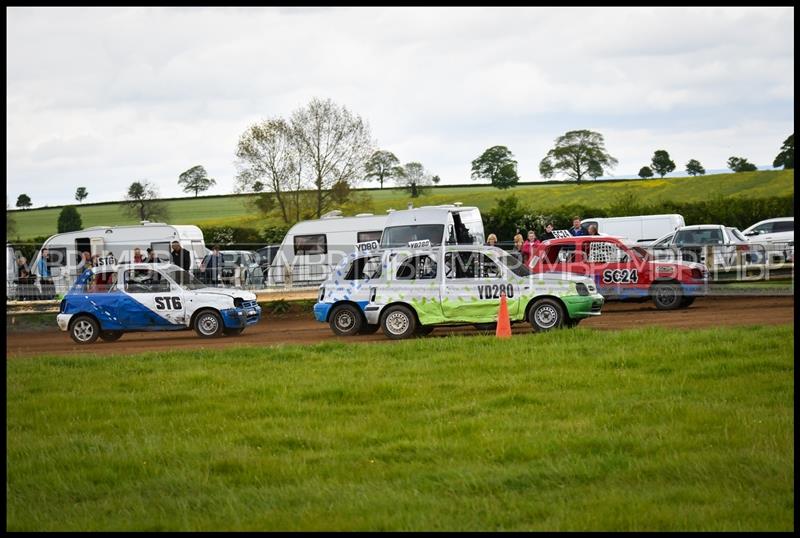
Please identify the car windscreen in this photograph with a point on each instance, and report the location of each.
(710, 236)
(185, 279)
(737, 234)
(400, 236)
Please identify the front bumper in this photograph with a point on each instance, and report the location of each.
(321, 311)
(582, 306)
(234, 318)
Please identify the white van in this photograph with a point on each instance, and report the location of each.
(636, 229)
(312, 248)
(449, 224)
(115, 244)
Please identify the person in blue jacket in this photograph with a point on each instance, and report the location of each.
(576, 227)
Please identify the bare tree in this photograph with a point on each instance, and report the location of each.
(268, 158)
(333, 143)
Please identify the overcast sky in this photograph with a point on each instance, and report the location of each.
(104, 97)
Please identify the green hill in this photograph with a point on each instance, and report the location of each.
(232, 210)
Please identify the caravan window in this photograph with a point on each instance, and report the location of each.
(56, 257)
(311, 244)
(369, 236)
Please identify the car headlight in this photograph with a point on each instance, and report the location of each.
(238, 302)
(582, 289)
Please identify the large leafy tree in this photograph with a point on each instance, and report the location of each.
(740, 164)
(81, 193)
(661, 163)
(24, 201)
(694, 168)
(196, 180)
(577, 154)
(141, 201)
(383, 165)
(786, 157)
(333, 143)
(267, 158)
(496, 164)
(69, 220)
(645, 172)
(414, 178)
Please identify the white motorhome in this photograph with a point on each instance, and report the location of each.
(451, 224)
(312, 248)
(636, 229)
(115, 244)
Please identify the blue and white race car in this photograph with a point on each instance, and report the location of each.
(107, 301)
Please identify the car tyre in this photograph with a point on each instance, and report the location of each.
(546, 314)
(398, 322)
(346, 320)
(208, 324)
(84, 330)
(233, 332)
(667, 295)
(110, 336)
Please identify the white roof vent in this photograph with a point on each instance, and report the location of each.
(364, 215)
(332, 214)
(391, 210)
(457, 204)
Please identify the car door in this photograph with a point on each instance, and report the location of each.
(414, 280)
(613, 268)
(472, 286)
(154, 302)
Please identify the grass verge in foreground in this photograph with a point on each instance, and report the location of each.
(649, 429)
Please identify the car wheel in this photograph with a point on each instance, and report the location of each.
(667, 296)
(686, 302)
(233, 332)
(345, 320)
(84, 330)
(208, 324)
(425, 330)
(369, 328)
(110, 336)
(398, 322)
(546, 314)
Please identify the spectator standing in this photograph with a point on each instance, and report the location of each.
(180, 256)
(212, 266)
(491, 240)
(576, 227)
(529, 246)
(137, 255)
(45, 279)
(592, 230)
(85, 262)
(548, 232)
(517, 251)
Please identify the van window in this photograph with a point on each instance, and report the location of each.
(362, 237)
(417, 268)
(311, 244)
(400, 236)
(366, 267)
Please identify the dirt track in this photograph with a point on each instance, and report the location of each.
(708, 312)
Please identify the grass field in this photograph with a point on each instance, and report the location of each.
(232, 210)
(647, 429)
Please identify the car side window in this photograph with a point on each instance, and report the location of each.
(764, 228)
(145, 281)
(417, 268)
(785, 226)
(101, 283)
(605, 252)
(470, 265)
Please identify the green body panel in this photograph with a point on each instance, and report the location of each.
(580, 306)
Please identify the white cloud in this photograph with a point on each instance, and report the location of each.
(102, 97)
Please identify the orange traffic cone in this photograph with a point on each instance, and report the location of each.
(503, 321)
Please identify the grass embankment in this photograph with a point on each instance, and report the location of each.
(232, 211)
(639, 430)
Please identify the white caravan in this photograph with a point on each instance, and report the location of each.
(115, 244)
(450, 224)
(312, 248)
(636, 229)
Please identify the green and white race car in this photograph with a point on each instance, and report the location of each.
(408, 291)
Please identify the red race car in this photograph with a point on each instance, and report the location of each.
(621, 271)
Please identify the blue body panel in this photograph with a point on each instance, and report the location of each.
(321, 310)
(233, 318)
(116, 311)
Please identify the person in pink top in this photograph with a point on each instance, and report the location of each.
(529, 246)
